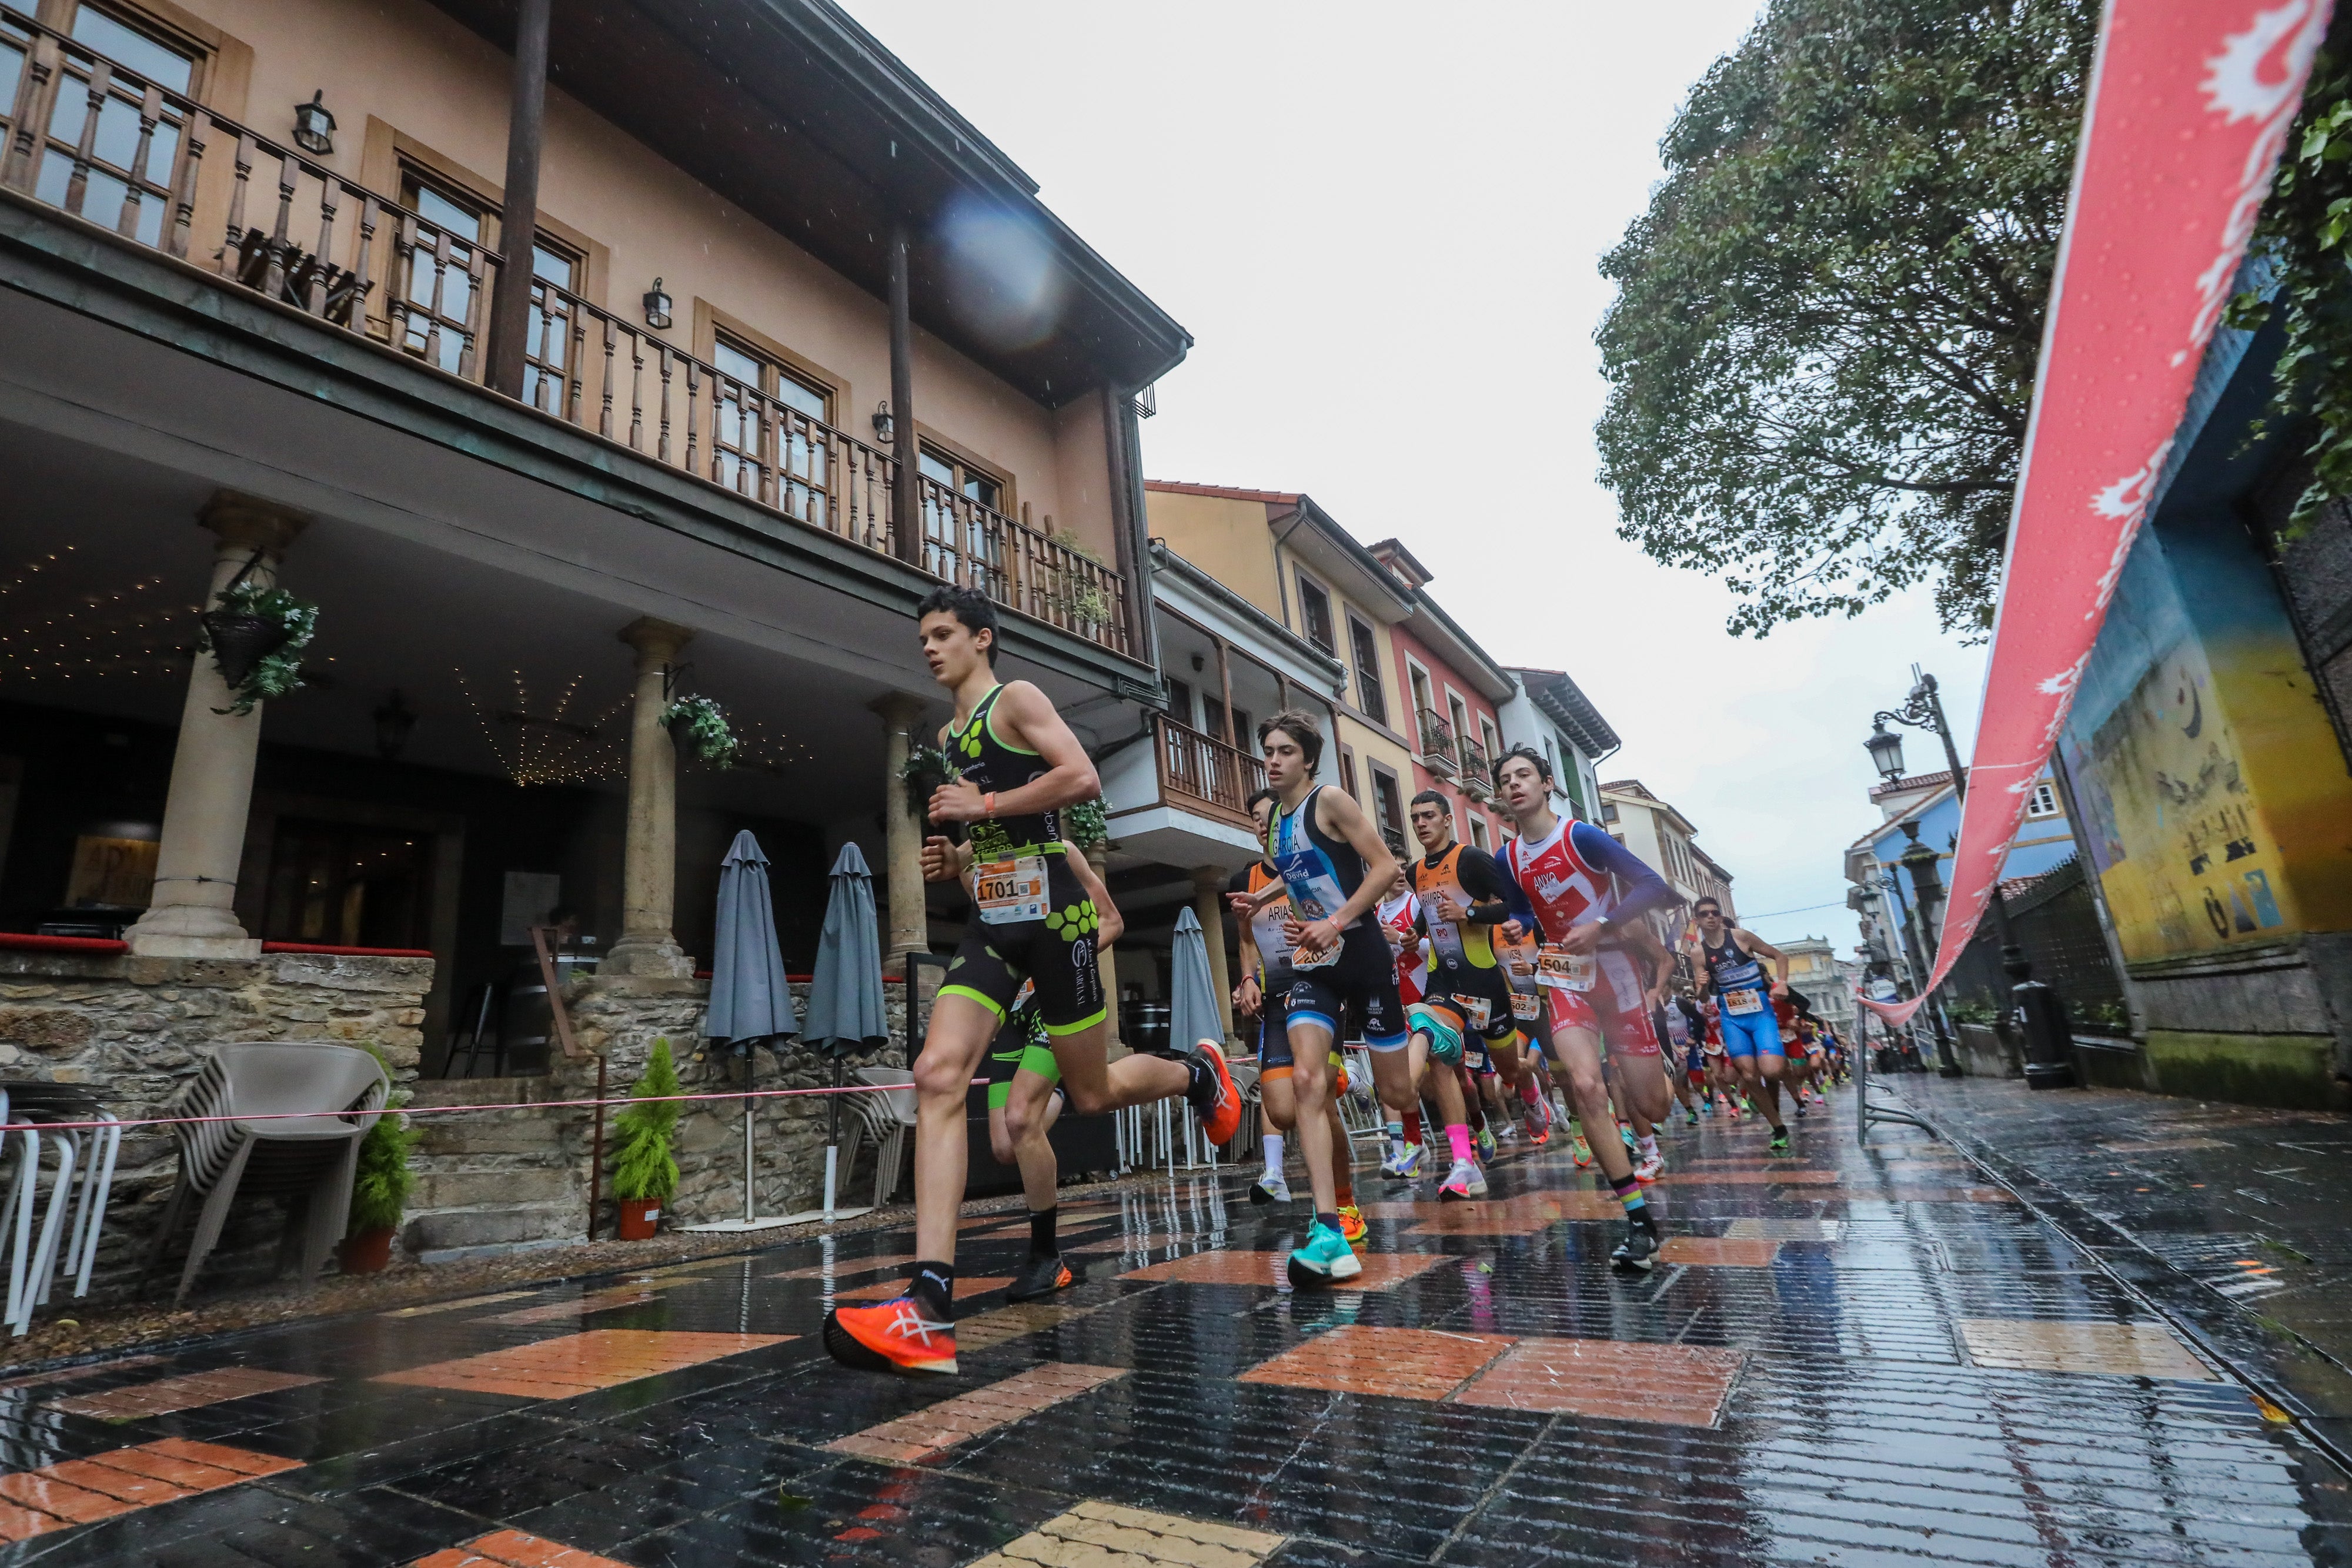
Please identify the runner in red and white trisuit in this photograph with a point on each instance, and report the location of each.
(1584, 888)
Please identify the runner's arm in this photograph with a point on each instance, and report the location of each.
(1481, 875)
(1755, 946)
(1110, 924)
(1644, 889)
(1523, 921)
(1024, 716)
(1237, 886)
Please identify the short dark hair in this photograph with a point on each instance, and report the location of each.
(1299, 725)
(967, 605)
(1251, 804)
(1710, 898)
(1542, 763)
(1431, 798)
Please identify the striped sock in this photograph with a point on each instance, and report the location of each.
(1629, 1193)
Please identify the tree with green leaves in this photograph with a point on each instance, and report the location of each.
(1822, 349)
(642, 1166)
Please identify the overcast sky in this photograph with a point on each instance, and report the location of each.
(1382, 223)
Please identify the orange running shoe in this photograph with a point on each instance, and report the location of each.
(1222, 1117)
(1351, 1223)
(890, 1336)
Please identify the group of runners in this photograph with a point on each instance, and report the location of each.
(1480, 986)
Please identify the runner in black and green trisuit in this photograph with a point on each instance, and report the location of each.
(1033, 921)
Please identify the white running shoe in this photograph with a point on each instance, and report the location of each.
(1463, 1182)
(1651, 1168)
(1270, 1188)
(1403, 1166)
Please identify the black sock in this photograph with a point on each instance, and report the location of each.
(1332, 1219)
(1041, 1232)
(1197, 1067)
(933, 1289)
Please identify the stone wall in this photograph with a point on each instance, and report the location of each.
(507, 1178)
(132, 1030)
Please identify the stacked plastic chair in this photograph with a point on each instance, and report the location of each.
(323, 1099)
(887, 1118)
(34, 1111)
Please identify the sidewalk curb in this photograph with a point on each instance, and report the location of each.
(2151, 1279)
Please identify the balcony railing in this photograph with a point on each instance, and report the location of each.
(1474, 766)
(1210, 773)
(1437, 752)
(88, 137)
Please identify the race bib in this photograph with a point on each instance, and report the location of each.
(1526, 1006)
(1475, 1010)
(1563, 970)
(1011, 890)
(1743, 1002)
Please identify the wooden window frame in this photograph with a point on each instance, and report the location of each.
(711, 324)
(964, 459)
(1347, 773)
(1330, 614)
(1378, 770)
(1371, 643)
(208, 45)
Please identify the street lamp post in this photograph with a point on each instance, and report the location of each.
(2047, 1038)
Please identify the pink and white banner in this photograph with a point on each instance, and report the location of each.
(2191, 103)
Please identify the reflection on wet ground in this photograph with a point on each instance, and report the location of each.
(1849, 1356)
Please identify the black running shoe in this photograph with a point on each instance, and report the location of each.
(1638, 1253)
(1041, 1276)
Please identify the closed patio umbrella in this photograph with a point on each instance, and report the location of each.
(845, 1006)
(1193, 1010)
(750, 1004)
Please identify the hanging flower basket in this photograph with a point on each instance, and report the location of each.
(1087, 824)
(926, 768)
(699, 725)
(256, 636)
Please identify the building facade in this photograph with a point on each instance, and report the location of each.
(558, 406)
(1663, 838)
(1825, 980)
(1452, 692)
(1285, 555)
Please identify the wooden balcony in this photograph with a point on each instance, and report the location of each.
(96, 140)
(1437, 743)
(1201, 774)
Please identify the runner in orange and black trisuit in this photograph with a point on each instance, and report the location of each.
(1467, 997)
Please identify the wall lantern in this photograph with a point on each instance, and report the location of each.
(885, 429)
(658, 308)
(394, 722)
(314, 125)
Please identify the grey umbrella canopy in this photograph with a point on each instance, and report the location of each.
(844, 1001)
(750, 1001)
(1194, 1013)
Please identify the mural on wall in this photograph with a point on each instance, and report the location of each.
(2165, 777)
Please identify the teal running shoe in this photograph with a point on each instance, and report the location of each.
(1324, 1260)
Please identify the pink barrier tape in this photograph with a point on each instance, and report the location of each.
(446, 1110)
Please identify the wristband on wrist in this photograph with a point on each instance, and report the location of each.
(988, 803)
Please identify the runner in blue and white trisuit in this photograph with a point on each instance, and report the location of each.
(1334, 868)
(1730, 962)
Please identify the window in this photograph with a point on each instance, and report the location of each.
(1477, 830)
(1460, 716)
(2044, 802)
(1417, 682)
(1315, 610)
(127, 183)
(961, 479)
(348, 886)
(1212, 717)
(1371, 696)
(1179, 701)
(761, 398)
(1348, 774)
(441, 311)
(948, 480)
(1487, 734)
(1388, 806)
(1608, 811)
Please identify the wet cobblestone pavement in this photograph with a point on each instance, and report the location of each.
(1848, 1356)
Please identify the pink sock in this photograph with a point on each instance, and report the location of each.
(1528, 1088)
(1458, 1135)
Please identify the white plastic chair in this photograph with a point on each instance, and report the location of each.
(311, 1157)
(34, 1261)
(888, 1118)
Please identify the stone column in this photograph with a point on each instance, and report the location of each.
(1108, 962)
(1209, 905)
(649, 863)
(902, 835)
(194, 914)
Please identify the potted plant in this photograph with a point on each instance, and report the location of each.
(1087, 824)
(644, 1172)
(256, 636)
(699, 724)
(379, 1187)
(926, 768)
